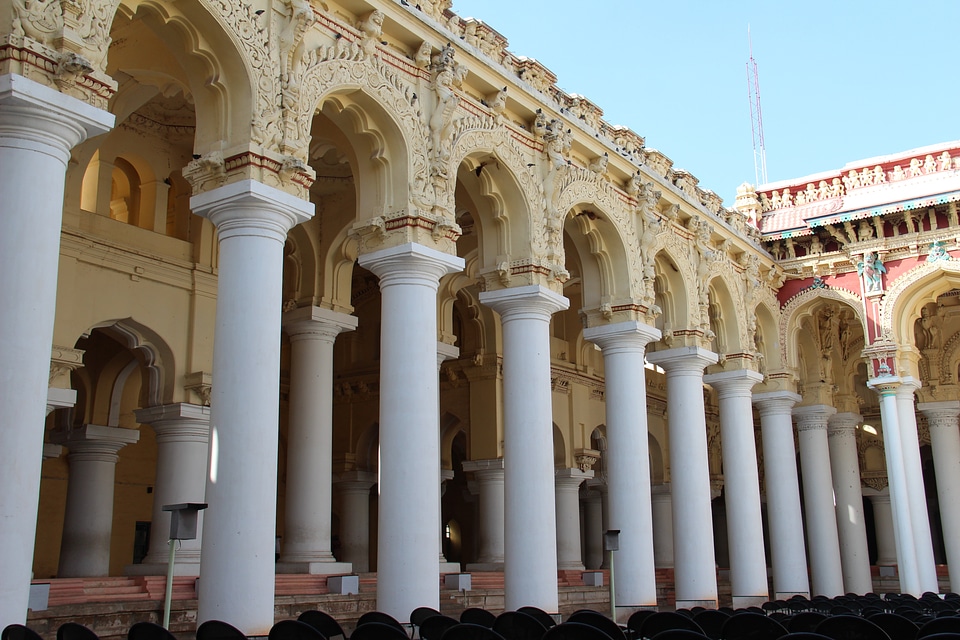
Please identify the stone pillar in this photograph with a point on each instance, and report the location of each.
(823, 540)
(662, 527)
(907, 567)
(38, 127)
(593, 528)
(182, 433)
(530, 542)
(306, 530)
(694, 561)
(354, 488)
(88, 519)
(489, 477)
(883, 527)
(239, 537)
(567, 500)
(627, 458)
(408, 558)
(848, 495)
(945, 444)
(784, 514)
(741, 479)
(909, 440)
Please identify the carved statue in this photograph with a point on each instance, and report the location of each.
(865, 230)
(927, 330)
(872, 270)
(945, 161)
(599, 165)
(300, 20)
(371, 29)
(446, 76)
(827, 328)
(843, 327)
(540, 125)
(499, 103)
(424, 55)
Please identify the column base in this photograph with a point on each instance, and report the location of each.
(315, 568)
(742, 602)
(786, 595)
(450, 567)
(484, 566)
(160, 569)
(690, 604)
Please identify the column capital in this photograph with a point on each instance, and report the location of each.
(355, 480)
(251, 208)
(446, 352)
(177, 422)
(776, 402)
(317, 323)
(58, 398)
(571, 478)
(43, 117)
(95, 442)
(843, 423)
(884, 385)
(941, 414)
(475, 466)
(410, 263)
(621, 337)
(531, 301)
(813, 417)
(908, 386)
(733, 383)
(683, 359)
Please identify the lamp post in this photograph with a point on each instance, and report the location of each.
(183, 526)
(611, 543)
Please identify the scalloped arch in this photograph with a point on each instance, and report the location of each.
(799, 306)
(910, 291)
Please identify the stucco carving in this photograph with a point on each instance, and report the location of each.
(902, 284)
(796, 307)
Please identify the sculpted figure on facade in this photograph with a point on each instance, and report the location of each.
(299, 21)
(927, 330)
(371, 30)
(871, 269)
(498, 104)
(649, 201)
(447, 75)
(945, 161)
(599, 164)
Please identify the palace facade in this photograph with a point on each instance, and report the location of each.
(384, 297)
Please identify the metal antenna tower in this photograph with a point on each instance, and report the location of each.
(756, 117)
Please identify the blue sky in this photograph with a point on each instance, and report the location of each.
(840, 80)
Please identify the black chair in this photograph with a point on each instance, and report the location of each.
(378, 631)
(948, 624)
(517, 625)
(380, 618)
(422, 613)
(804, 635)
(635, 621)
(851, 628)
(600, 621)
(292, 630)
(749, 625)
(679, 634)
(542, 616)
(943, 636)
(896, 626)
(75, 631)
(209, 630)
(433, 628)
(475, 615)
(322, 622)
(711, 621)
(19, 632)
(470, 631)
(665, 621)
(149, 631)
(575, 631)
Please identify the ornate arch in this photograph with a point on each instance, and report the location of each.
(796, 306)
(905, 290)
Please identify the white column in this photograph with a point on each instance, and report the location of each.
(910, 441)
(239, 537)
(883, 528)
(182, 434)
(848, 495)
(593, 528)
(784, 514)
(903, 532)
(627, 458)
(530, 543)
(662, 507)
(88, 519)
(489, 477)
(409, 549)
(38, 127)
(567, 500)
(741, 479)
(823, 540)
(694, 563)
(945, 444)
(306, 528)
(354, 488)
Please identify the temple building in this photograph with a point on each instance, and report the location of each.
(387, 300)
